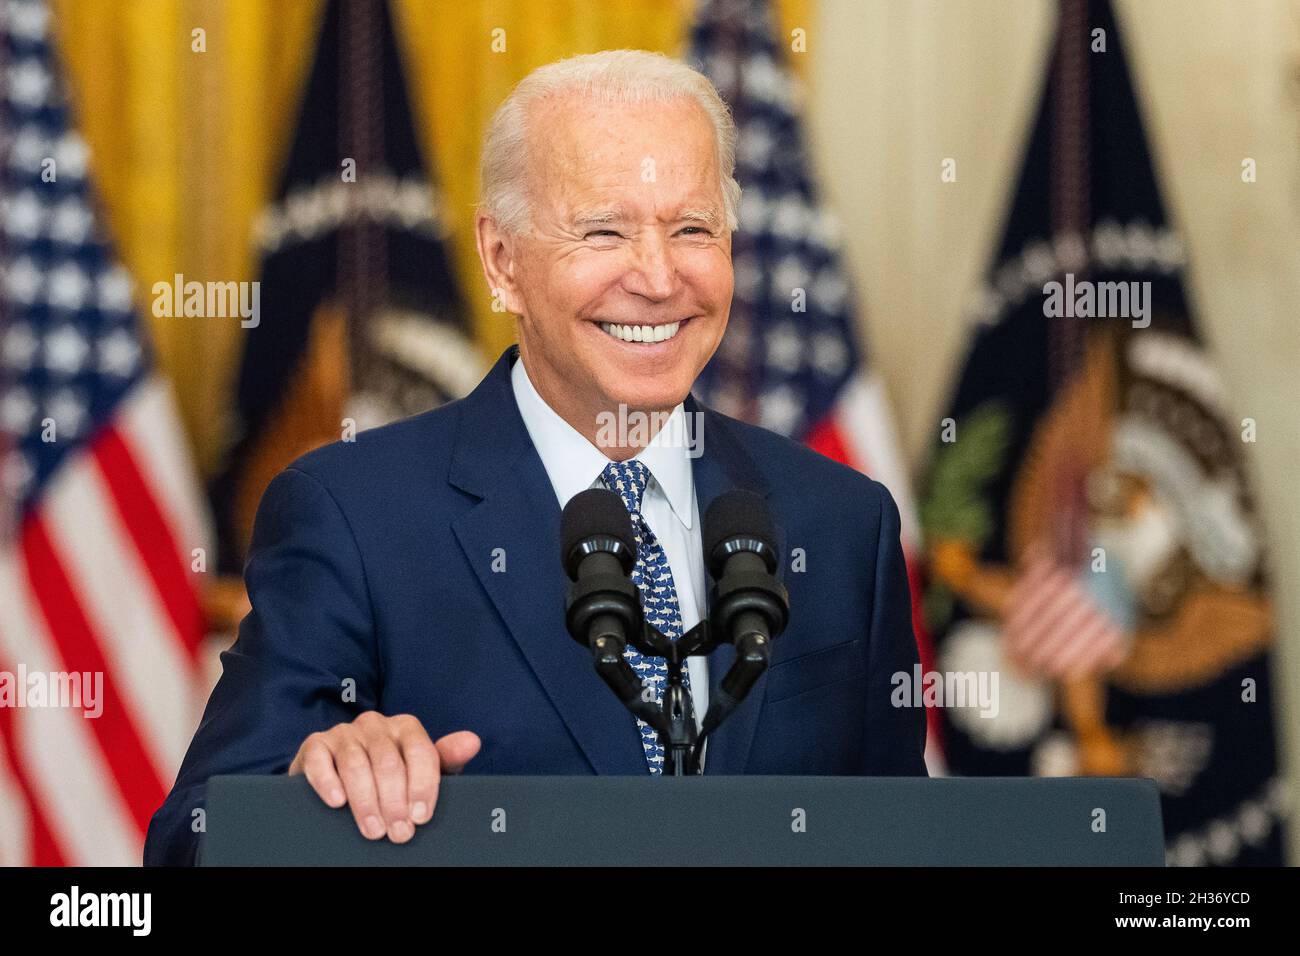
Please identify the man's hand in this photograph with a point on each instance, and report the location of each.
(385, 768)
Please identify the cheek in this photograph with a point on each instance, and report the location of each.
(555, 292)
(708, 272)
(582, 281)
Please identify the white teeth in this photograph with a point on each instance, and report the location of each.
(641, 333)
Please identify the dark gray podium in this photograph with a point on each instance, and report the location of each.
(719, 821)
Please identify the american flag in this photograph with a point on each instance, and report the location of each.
(791, 360)
(101, 512)
(1055, 624)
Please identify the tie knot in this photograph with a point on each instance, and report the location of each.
(628, 478)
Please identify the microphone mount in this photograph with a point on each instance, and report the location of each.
(748, 608)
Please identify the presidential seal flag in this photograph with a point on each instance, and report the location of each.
(361, 318)
(1088, 510)
(104, 533)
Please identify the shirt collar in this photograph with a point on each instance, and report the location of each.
(668, 461)
(574, 464)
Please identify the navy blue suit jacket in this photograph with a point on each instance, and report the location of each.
(373, 562)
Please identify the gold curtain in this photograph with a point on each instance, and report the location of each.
(187, 145)
(185, 149)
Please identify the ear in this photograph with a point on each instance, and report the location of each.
(497, 251)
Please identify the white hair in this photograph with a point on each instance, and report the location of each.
(611, 76)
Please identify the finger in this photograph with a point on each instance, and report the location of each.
(390, 781)
(422, 767)
(317, 763)
(456, 750)
(354, 769)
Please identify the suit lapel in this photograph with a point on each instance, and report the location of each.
(494, 459)
(723, 466)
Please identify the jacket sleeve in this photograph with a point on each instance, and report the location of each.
(895, 736)
(304, 661)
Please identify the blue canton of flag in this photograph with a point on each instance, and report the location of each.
(71, 349)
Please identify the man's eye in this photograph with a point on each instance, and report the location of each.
(698, 229)
(600, 232)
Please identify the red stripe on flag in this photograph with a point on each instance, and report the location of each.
(925, 649)
(118, 737)
(44, 848)
(825, 438)
(153, 537)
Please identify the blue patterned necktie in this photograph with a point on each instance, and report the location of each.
(654, 579)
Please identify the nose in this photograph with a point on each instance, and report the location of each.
(654, 276)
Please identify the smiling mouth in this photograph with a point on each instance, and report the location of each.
(647, 334)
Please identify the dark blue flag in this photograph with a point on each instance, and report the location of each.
(361, 321)
(1091, 529)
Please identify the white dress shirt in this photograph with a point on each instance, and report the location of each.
(669, 507)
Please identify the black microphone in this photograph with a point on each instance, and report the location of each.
(598, 549)
(596, 522)
(749, 606)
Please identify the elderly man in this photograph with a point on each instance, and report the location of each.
(407, 592)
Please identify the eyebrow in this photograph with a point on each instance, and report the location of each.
(709, 216)
(604, 216)
(599, 217)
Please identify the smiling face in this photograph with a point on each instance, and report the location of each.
(623, 285)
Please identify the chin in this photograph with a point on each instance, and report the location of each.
(657, 392)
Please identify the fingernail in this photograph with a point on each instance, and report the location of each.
(335, 798)
(401, 830)
(419, 812)
(373, 827)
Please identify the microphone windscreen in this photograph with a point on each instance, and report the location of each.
(738, 513)
(596, 512)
